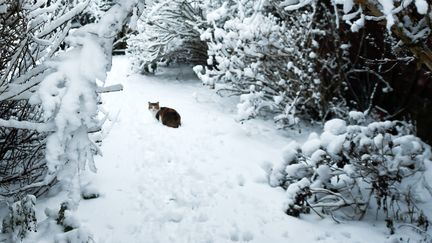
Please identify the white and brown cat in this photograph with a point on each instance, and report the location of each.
(168, 116)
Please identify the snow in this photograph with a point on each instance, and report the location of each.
(204, 182)
(324, 172)
(335, 146)
(69, 96)
(279, 173)
(217, 14)
(312, 55)
(387, 10)
(422, 6)
(64, 18)
(40, 127)
(81, 235)
(278, 99)
(290, 152)
(357, 116)
(3, 8)
(311, 145)
(249, 104)
(378, 140)
(295, 188)
(390, 12)
(335, 126)
(317, 156)
(347, 5)
(349, 170)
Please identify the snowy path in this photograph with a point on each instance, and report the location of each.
(203, 182)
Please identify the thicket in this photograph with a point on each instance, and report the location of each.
(51, 79)
(376, 169)
(27, 39)
(275, 62)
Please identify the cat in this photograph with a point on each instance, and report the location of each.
(168, 116)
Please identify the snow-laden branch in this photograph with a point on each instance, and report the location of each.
(63, 19)
(14, 59)
(40, 127)
(25, 82)
(290, 5)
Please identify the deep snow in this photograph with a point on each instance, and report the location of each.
(203, 182)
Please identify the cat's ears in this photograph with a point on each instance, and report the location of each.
(154, 103)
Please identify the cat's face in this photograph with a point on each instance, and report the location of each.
(153, 107)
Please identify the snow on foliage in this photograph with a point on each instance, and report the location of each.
(94, 11)
(20, 219)
(350, 171)
(48, 102)
(61, 226)
(57, 89)
(166, 32)
(55, 94)
(32, 34)
(68, 95)
(270, 60)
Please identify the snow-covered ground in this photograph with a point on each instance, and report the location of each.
(204, 182)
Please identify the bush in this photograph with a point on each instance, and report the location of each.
(274, 63)
(351, 170)
(22, 151)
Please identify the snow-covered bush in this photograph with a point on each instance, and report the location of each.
(31, 33)
(166, 32)
(49, 98)
(273, 62)
(49, 101)
(351, 170)
(21, 218)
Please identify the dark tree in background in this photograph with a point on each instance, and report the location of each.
(402, 86)
(390, 74)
